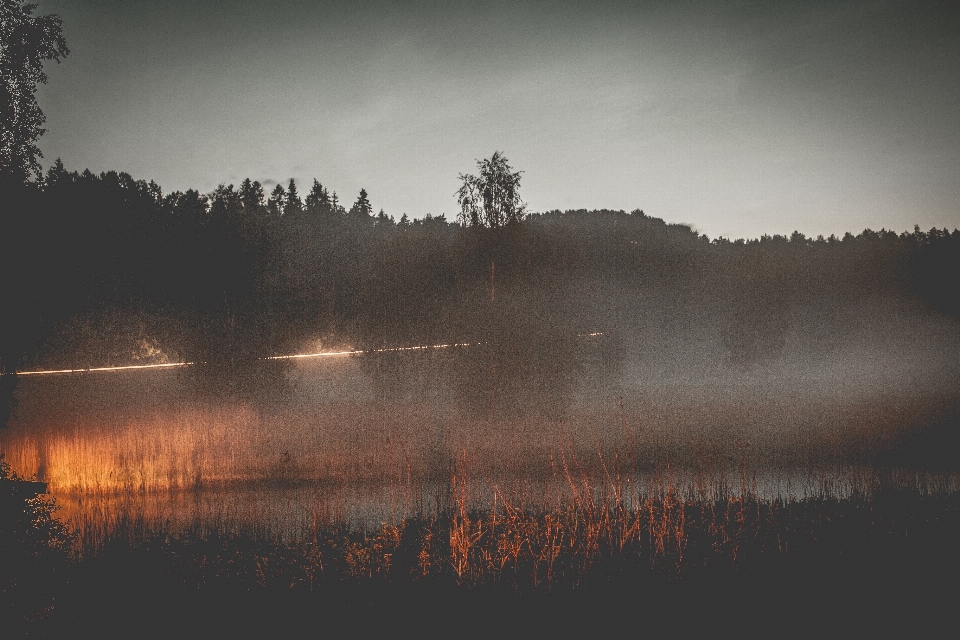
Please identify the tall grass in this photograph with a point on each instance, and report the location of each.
(236, 467)
(597, 526)
(476, 530)
(191, 447)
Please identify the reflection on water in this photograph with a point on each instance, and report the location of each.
(341, 449)
(296, 510)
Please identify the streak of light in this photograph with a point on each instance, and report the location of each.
(321, 354)
(97, 369)
(353, 353)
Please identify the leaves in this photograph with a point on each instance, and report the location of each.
(491, 199)
(25, 43)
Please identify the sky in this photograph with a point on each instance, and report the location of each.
(737, 118)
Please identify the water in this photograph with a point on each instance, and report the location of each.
(340, 446)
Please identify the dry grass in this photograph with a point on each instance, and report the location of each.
(532, 536)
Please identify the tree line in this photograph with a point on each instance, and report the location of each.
(235, 275)
(227, 278)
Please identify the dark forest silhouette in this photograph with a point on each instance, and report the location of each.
(232, 276)
(228, 278)
(108, 270)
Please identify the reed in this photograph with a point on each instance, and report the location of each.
(591, 525)
(596, 532)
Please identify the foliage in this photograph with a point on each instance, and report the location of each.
(34, 546)
(491, 199)
(362, 208)
(228, 278)
(25, 43)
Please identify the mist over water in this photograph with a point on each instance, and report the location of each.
(275, 404)
(579, 342)
(374, 437)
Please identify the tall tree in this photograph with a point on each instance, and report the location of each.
(362, 207)
(491, 199)
(294, 205)
(25, 43)
(251, 193)
(277, 201)
(318, 200)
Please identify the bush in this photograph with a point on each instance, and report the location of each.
(34, 550)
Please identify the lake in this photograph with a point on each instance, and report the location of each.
(363, 441)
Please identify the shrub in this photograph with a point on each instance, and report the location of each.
(34, 548)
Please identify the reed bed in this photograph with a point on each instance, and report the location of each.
(531, 535)
(598, 531)
(191, 447)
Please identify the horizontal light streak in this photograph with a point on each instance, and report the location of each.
(357, 352)
(321, 354)
(96, 369)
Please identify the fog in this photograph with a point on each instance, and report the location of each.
(651, 393)
(593, 342)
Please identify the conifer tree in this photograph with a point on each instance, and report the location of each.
(277, 202)
(293, 204)
(362, 207)
(251, 194)
(318, 200)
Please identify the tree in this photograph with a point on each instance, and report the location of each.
(293, 205)
(251, 194)
(318, 200)
(491, 199)
(25, 43)
(335, 205)
(362, 207)
(277, 201)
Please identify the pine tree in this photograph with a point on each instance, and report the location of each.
(56, 174)
(277, 202)
(251, 194)
(318, 200)
(362, 208)
(293, 204)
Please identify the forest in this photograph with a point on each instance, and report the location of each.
(107, 270)
(528, 420)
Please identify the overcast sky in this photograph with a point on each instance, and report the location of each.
(738, 118)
